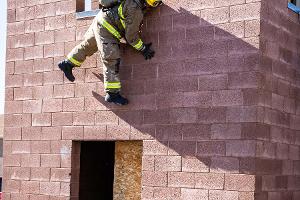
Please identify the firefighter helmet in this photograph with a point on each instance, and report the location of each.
(154, 3)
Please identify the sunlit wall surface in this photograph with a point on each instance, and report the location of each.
(3, 11)
(3, 6)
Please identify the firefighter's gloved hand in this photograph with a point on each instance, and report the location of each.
(147, 52)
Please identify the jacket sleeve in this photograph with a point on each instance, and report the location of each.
(133, 20)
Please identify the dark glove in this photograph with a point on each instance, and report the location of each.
(147, 52)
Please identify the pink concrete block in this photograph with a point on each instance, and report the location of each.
(223, 195)
(194, 194)
(209, 180)
(50, 160)
(239, 182)
(154, 178)
(32, 187)
(168, 163)
(40, 174)
(166, 192)
(195, 164)
(224, 165)
(84, 118)
(49, 188)
(30, 160)
(181, 179)
(40, 147)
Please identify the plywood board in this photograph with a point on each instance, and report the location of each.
(128, 170)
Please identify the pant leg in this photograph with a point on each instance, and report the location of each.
(111, 62)
(86, 48)
(109, 49)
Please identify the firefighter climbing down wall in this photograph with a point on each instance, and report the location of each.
(119, 21)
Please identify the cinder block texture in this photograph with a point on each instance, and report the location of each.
(281, 74)
(217, 108)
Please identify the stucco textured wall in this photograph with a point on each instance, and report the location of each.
(217, 108)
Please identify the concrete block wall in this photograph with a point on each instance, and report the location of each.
(211, 108)
(1, 143)
(280, 64)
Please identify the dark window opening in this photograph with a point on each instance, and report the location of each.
(294, 5)
(96, 170)
(1, 147)
(80, 5)
(295, 2)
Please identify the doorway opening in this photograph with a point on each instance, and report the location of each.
(96, 170)
(110, 170)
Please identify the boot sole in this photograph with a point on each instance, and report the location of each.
(62, 68)
(119, 104)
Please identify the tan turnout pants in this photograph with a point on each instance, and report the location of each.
(98, 38)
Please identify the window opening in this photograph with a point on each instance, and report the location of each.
(88, 5)
(294, 5)
(296, 2)
(86, 8)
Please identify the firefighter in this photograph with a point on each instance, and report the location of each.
(118, 24)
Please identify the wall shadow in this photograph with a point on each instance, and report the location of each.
(193, 97)
(191, 60)
(199, 98)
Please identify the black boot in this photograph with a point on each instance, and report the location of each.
(67, 67)
(116, 98)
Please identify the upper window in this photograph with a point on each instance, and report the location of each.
(296, 2)
(86, 5)
(86, 8)
(294, 5)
